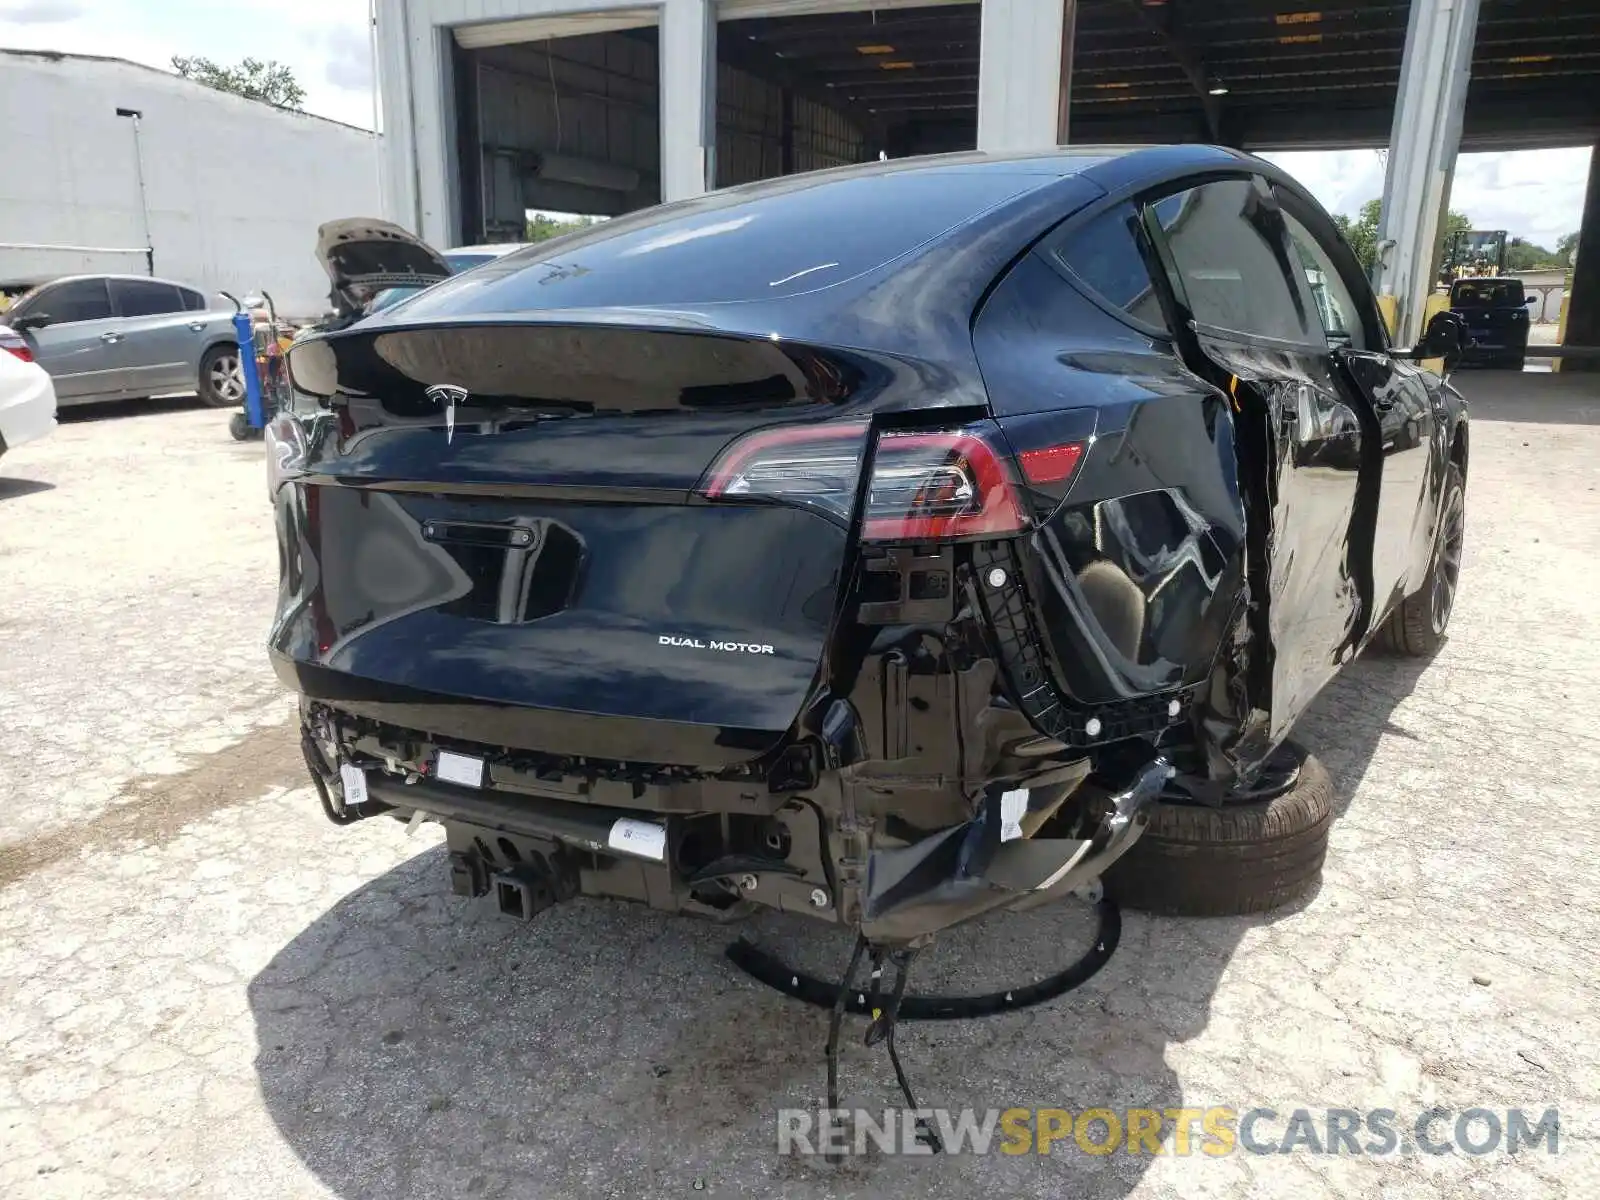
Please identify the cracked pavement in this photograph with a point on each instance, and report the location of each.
(206, 989)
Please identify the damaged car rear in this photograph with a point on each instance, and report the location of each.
(883, 544)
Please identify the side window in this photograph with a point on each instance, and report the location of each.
(193, 301)
(1226, 242)
(1335, 306)
(144, 298)
(79, 300)
(1103, 256)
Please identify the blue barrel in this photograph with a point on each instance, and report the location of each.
(244, 331)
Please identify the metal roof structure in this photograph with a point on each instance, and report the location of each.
(1258, 74)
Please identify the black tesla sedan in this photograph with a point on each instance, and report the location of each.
(891, 544)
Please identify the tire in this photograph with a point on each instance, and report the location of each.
(1416, 627)
(1242, 858)
(221, 383)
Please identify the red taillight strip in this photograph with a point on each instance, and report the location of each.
(1052, 464)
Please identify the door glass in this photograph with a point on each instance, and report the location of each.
(193, 300)
(1227, 245)
(1103, 255)
(1335, 306)
(79, 300)
(144, 298)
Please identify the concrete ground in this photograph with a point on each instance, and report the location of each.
(206, 989)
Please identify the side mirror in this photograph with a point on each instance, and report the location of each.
(32, 321)
(1445, 337)
(1531, 300)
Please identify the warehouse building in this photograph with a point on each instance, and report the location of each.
(113, 167)
(491, 107)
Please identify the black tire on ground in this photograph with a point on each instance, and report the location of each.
(1417, 625)
(221, 384)
(1198, 861)
(1511, 362)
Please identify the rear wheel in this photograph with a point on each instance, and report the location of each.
(221, 377)
(1250, 855)
(1416, 627)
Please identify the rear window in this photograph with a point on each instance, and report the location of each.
(1487, 293)
(731, 246)
(144, 298)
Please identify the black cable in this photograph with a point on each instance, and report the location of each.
(768, 969)
(882, 1029)
(836, 1022)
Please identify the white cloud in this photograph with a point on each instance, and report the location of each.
(1533, 194)
(40, 12)
(325, 42)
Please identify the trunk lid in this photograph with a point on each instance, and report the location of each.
(497, 530)
(364, 256)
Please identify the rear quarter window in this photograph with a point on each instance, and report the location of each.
(1102, 256)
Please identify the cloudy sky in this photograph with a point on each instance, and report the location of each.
(1537, 195)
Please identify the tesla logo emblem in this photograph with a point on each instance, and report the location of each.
(448, 395)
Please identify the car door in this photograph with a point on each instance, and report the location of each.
(160, 339)
(1253, 331)
(1403, 399)
(78, 344)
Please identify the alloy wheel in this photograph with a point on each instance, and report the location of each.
(1447, 571)
(227, 378)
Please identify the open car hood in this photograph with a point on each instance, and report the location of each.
(363, 256)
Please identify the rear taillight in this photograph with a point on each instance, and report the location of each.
(931, 486)
(12, 342)
(816, 466)
(926, 485)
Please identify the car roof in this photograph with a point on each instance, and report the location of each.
(136, 278)
(495, 248)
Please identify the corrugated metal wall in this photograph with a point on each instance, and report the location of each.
(750, 131)
(597, 97)
(594, 97)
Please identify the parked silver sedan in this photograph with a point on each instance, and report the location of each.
(116, 337)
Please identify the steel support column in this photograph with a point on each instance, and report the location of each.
(1583, 300)
(1019, 72)
(1422, 155)
(688, 97)
(1069, 37)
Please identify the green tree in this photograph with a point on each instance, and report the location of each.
(542, 226)
(1362, 233)
(1523, 255)
(270, 82)
(1566, 247)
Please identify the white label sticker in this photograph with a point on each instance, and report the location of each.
(355, 785)
(1012, 807)
(461, 769)
(644, 838)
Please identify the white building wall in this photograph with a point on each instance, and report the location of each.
(236, 188)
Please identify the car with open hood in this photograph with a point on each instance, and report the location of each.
(884, 544)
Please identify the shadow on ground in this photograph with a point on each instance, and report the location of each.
(411, 1044)
(1568, 398)
(10, 488)
(111, 410)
